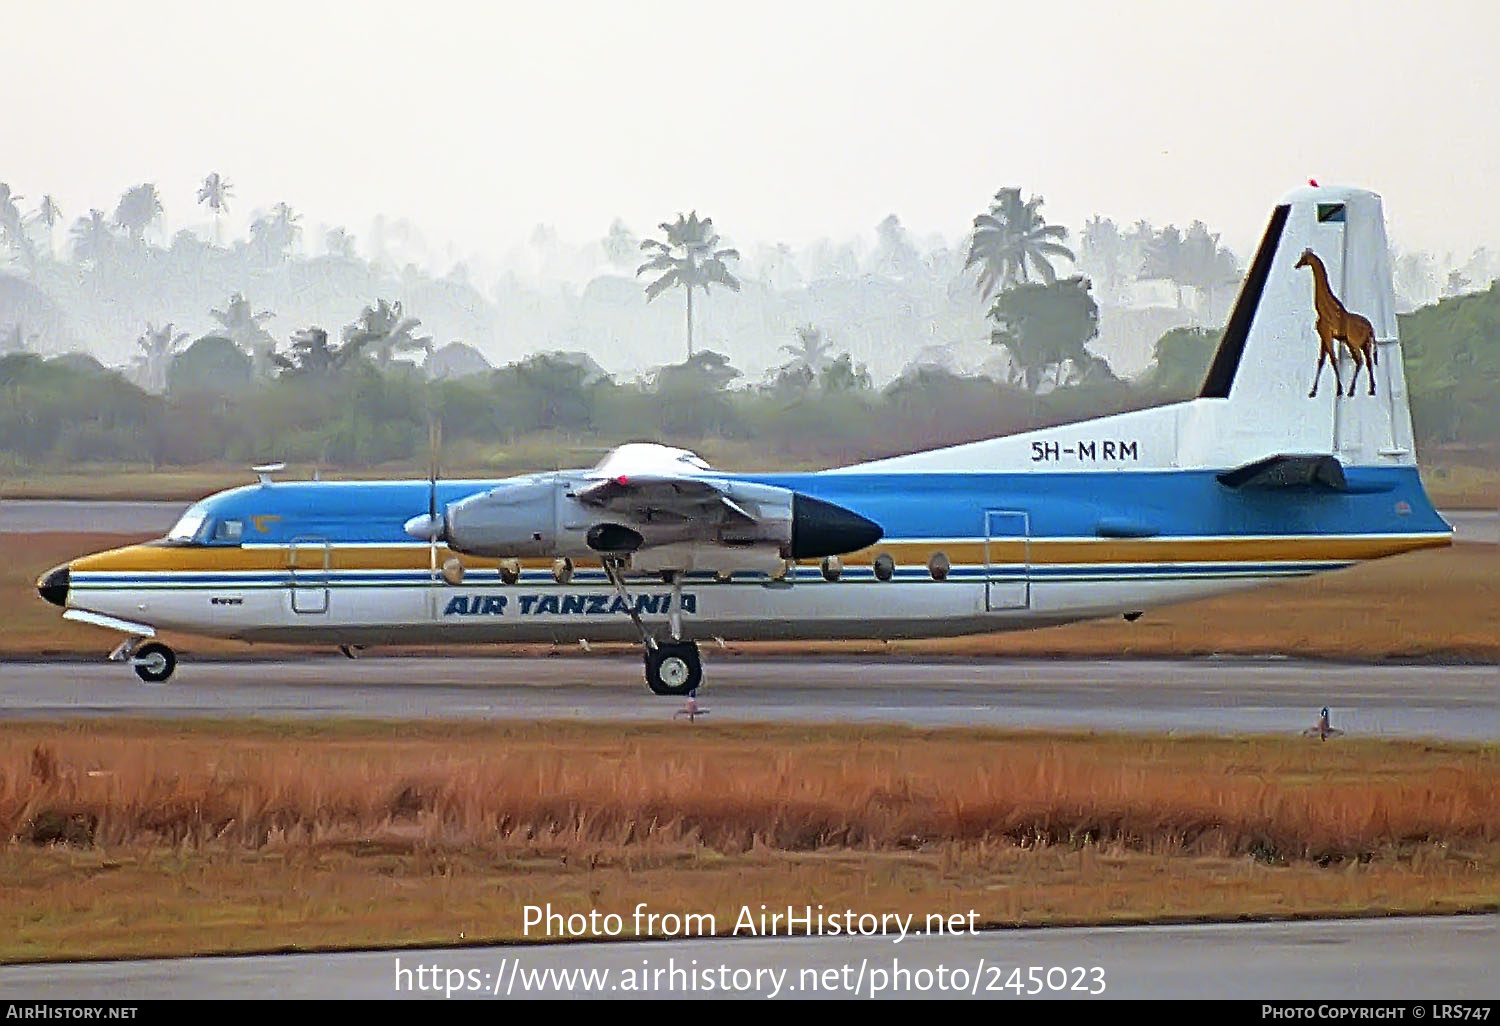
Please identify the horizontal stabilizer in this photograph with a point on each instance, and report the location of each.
(1286, 471)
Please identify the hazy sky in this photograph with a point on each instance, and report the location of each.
(783, 121)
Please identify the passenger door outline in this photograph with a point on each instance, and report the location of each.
(309, 560)
(1007, 582)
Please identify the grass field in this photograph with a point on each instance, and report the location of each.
(135, 839)
(1442, 603)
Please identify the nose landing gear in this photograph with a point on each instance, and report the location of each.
(153, 662)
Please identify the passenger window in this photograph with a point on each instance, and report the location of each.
(229, 532)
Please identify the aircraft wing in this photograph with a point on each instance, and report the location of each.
(664, 507)
(646, 495)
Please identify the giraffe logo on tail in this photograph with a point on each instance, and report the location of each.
(1337, 324)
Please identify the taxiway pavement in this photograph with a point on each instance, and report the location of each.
(1216, 696)
(1448, 959)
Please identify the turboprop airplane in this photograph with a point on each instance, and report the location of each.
(1254, 480)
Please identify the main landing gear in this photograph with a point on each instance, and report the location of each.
(153, 662)
(672, 667)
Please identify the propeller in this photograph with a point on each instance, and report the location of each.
(432, 527)
(435, 526)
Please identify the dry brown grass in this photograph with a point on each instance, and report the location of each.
(731, 791)
(130, 838)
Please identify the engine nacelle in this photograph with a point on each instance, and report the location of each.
(516, 518)
(733, 525)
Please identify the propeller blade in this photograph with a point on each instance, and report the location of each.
(434, 446)
(436, 526)
(433, 526)
(434, 464)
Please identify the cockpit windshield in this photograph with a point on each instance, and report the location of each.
(187, 528)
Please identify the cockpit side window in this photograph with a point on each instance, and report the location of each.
(189, 527)
(229, 532)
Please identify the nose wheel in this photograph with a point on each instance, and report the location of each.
(153, 662)
(673, 668)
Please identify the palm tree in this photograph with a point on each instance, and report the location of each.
(12, 230)
(16, 340)
(242, 325)
(811, 354)
(286, 222)
(9, 202)
(138, 209)
(339, 243)
(215, 192)
(895, 256)
(276, 233)
(158, 346)
(620, 245)
(688, 258)
(1012, 240)
(384, 330)
(93, 239)
(1164, 259)
(311, 353)
(1102, 252)
(49, 213)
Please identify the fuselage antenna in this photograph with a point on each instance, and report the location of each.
(265, 470)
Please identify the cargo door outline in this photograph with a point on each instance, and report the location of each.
(309, 560)
(1007, 582)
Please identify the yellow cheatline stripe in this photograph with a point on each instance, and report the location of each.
(1158, 550)
(148, 558)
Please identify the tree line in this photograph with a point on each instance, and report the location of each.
(360, 394)
(340, 404)
(98, 283)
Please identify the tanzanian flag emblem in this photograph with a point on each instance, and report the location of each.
(1330, 213)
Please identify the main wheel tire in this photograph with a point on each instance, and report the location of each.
(154, 663)
(674, 668)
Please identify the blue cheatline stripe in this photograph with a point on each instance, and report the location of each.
(1171, 503)
(1012, 574)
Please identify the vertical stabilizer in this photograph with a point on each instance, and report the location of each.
(1322, 269)
(1322, 273)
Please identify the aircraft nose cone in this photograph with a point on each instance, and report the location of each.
(53, 585)
(822, 529)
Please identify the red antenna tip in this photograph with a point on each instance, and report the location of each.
(1313, 182)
